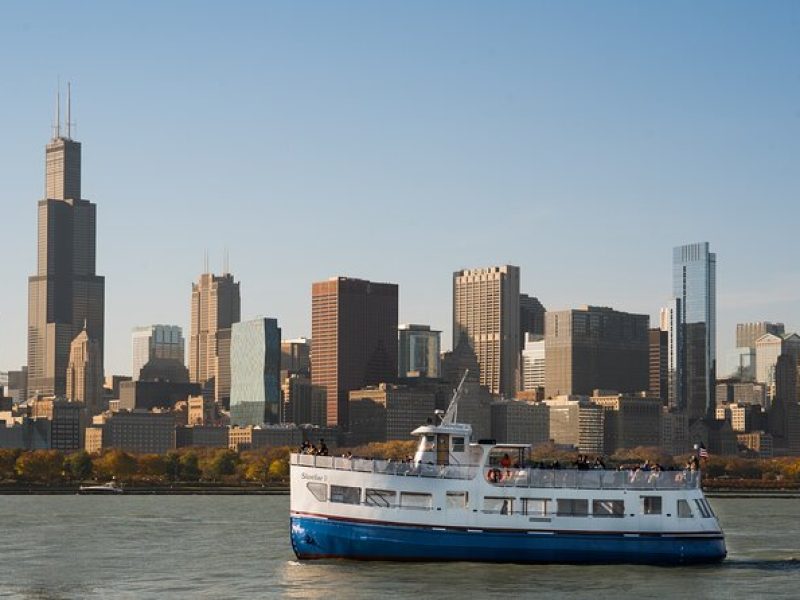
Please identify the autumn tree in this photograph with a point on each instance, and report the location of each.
(40, 466)
(78, 465)
(221, 463)
(115, 464)
(8, 461)
(189, 467)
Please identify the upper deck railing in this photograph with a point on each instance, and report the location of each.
(593, 479)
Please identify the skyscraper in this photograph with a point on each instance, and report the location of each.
(531, 317)
(156, 342)
(595, 347)
(419, 349)
(354, 328)
(694, 284)
(216, 306)
(84, 375)
(65, 293)
(255, 372)
(486, 312)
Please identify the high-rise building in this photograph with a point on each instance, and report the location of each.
(388, 412)
(518, 422)
(216, 306)
(659, 363)
(768, 348)
(419, 350)
(84, 375)
(533, 362)
(748, 333)
(156, 342)
(595, 348)
(354, 328)
(630, 420)
(694, 275)
(255, 372)
(303, 403)
(577, 422)
(486, 311)
(296, 356)
(65, 293)
(531, 317)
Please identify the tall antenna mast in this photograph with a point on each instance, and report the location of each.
(225, 262)
(69, 110)
(205, 261)
(58, 110)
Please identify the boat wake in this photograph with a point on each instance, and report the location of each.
(778, 564)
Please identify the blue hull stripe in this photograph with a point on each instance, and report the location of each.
(338, 538)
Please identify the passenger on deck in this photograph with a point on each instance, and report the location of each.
(505, 462)
(323, 449)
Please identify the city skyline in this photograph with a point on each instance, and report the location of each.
(631, 152)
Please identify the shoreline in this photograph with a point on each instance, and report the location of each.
(283, 490)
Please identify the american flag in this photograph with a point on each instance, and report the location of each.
(702, 451)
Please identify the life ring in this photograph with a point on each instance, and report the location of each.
(494, 475)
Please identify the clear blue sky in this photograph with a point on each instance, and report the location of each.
(400, 141)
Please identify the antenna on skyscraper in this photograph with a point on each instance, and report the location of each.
(69, 110)
(225, 260)
(205, 261)
(57, 127)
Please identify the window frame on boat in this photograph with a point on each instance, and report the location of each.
(379, 498)
(405, 497)
(458, 443)
(506, 506)
(545, 504)
(704, 510)
(608, 508)
(573, 504)
(345, 494)
(683, 507)
(318, 489)
(652, 505)
(450, 500)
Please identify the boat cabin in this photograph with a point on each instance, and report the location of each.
(446, 444)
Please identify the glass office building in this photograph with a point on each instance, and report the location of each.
(255, 370)
(418, 351)
(694, 284)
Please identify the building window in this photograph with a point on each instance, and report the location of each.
(345, 495)
(651, 505)
(416, 500)
(382, 498)
(608, 508)
(319, 490)
(572, 507)
(457, 500)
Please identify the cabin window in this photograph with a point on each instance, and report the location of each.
(684, 510)
(608, 508)
(318, 490)
(382, 498)
(344, 494)
(416, 500)
(457, 500)
(651, 505)
(498, 506)
(572, 507)
(702, 508)
(536, 507)
(458, 444)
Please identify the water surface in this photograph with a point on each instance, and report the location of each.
(237, 546)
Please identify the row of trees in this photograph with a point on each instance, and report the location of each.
(217, 465)
(221, 465)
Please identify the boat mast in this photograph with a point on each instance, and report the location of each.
(452, 411)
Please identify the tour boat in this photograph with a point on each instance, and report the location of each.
(460, 500)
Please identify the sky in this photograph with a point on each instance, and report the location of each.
(401, 141)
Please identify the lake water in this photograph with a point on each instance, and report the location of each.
(237, 546)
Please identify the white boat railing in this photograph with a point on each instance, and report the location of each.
(593, 479)
(386, 467)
